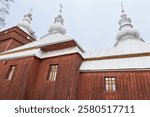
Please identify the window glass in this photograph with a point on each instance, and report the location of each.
(53, 72)
(10, 72)
(110, 84)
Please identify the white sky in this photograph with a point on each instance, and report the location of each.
(93, 23)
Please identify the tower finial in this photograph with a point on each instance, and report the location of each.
(31, 10)
(126, 29)
(122, 8)
(61, 7)
(57, 27)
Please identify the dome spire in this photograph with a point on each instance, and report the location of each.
(124, 21)
(61, 7)
(122, 8)
(57, 27)
(126, 28)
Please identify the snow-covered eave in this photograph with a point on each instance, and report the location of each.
(71, 39)
(5, 30)
(117, 56)
(29, 53)
(39, 53)
(115, 70)
(67, 39)
(25, 31)
(142, 62)
(79, 46)
(38, 46)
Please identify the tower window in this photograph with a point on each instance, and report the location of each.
(10, 72)
(110, 83)
(52, 72)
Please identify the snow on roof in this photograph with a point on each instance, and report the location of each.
(35, 52)
(117, 64)
(61, 52)
(40, 54)
(126, 46)
(33, 48)
(48, 39)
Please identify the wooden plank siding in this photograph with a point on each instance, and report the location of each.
(13, 44)
(9, 44)
(15, 88)
(15, 32)
(29, 80)
(12, 38)
(66, 84)
(4, 44)
(131, 85)
(59, 46)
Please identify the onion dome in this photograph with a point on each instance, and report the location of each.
(126, 29)
(58, 27)
(25, 24)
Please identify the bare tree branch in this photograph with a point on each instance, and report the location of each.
(4, 11)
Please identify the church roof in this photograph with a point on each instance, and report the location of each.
(56, 35)
(117, 64)
(48, 39)
(128, 46)
(126, 53)
(39, 53)
(129, 52)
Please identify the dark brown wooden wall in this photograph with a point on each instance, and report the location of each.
(16, 87)
(12, 38)
(9, 44)
(4, 45)
(59, 46)
(30, 78)
(30, 81)
(66, 84)
(13, 44)
(130, 85)
(15, 32)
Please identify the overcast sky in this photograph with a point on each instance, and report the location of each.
(93, 23)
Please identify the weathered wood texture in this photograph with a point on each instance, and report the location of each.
(30, 78)
(15, 88)
(4, 45)
(13, 37)
(30, 81)
(66, 84)
(13, 44)
(10, 33)
(130, 86)
(59, 46)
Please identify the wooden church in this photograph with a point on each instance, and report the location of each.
(56, 67)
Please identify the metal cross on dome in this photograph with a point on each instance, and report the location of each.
(122, 8)
(61, 7)
(31, 10)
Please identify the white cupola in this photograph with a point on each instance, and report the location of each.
(126, 29)
(25, 24)
(57, 26)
